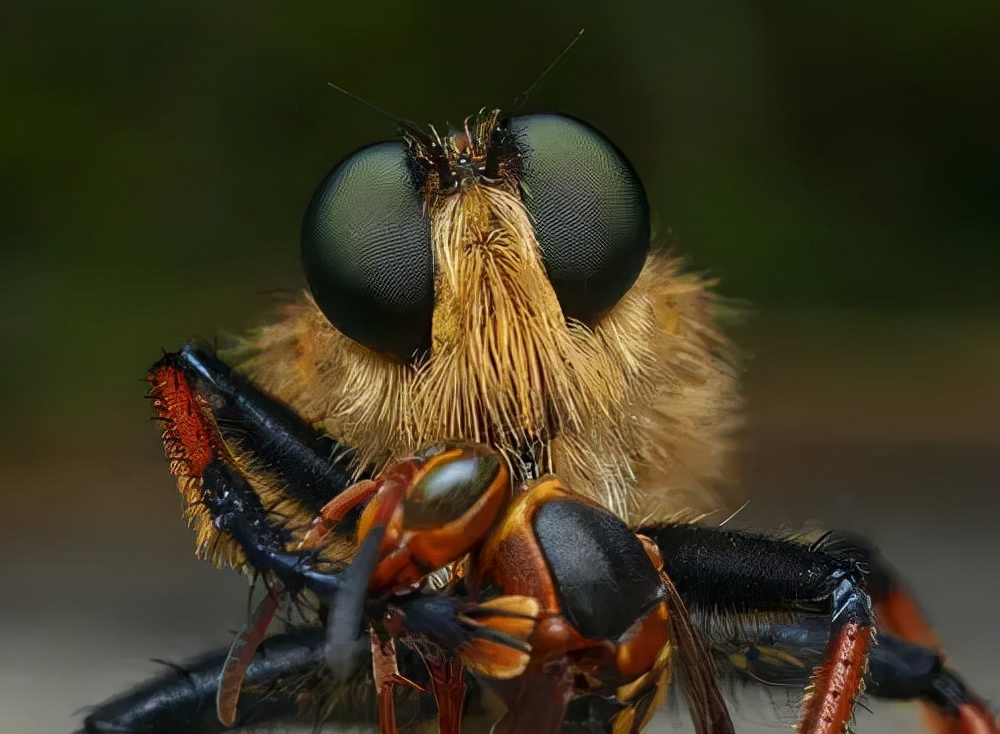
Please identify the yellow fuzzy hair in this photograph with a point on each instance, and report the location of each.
(633, 412)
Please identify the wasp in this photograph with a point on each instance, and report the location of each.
(467, 465)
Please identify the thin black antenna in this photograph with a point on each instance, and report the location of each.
(520, 99)
(371, 105)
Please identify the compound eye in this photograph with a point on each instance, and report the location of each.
(589, 211)
(366, 252)
(452, 480)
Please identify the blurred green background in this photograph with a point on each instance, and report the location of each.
(837, 165)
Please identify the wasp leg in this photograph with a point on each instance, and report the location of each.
(456, 635)
(740, 573)
(386, 675)
(447, 676)
(333, 512)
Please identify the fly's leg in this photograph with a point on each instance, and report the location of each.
(251, 472)
(917, 670)
(708, 709)
(286, 683)
(905, 671)
(242, 460)
(784, 655)
(210, 411)
(739, 573)
(183, 697)
(241, 654)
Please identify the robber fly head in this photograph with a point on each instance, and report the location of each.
(486, 284)
(372, 235)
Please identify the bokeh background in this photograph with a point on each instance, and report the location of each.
(836, 165)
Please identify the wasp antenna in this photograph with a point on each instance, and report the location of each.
(371, 105)
(343, 643)
(522, 98)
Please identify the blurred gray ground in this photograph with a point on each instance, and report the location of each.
(99, 579)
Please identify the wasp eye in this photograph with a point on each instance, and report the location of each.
(589, 211)
(367, 255)
(452, 480)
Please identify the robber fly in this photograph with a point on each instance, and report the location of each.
(467, 462)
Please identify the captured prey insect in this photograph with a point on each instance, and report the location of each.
(469, 459)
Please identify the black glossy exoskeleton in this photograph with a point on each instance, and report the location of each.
(520, 399)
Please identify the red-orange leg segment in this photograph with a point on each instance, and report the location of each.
(387, 677)
(828, 707)
(335, 510)
(720, 571)
(194, 395)
(241, 654)
(898, 613)
(448, 686)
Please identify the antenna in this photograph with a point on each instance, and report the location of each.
(371, 105)
(520, 99)
(402, 125)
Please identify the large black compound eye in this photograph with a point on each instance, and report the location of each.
(589, 211)
(366, 251)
